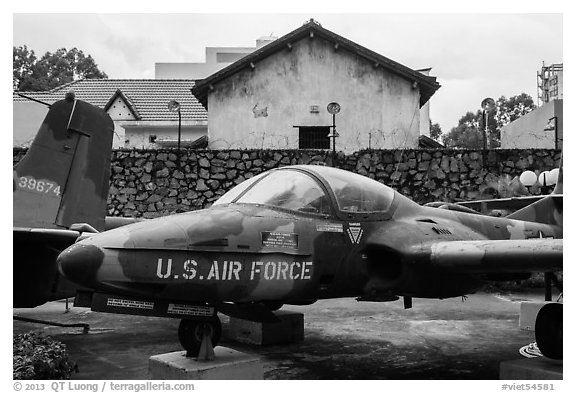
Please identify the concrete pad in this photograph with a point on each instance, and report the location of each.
(531, 368)
(228, 364)
(528, 313)
(290, 329)
(345, 339)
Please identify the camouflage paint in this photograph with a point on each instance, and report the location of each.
(72, 152)
(62, 180)
(254, 253)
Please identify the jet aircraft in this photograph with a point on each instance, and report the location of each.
(60, 189)
(297, 234)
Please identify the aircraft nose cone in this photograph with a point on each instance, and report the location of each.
(80, 263)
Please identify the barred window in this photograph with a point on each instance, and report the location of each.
(314, 138)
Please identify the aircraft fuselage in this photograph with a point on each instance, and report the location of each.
(249, 253)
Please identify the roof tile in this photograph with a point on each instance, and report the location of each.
(148, 96)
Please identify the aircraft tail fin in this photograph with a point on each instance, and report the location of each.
(63, 178)
(547, 210)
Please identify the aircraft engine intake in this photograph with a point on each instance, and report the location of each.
(390, 271)
(385, 266)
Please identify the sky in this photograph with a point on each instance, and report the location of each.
(473, 55)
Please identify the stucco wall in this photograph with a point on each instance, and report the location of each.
(260, 108)
(528, 131)
(139, 136)
(27, 117)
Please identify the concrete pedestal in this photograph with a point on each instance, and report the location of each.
(290, 329)
(228, 364)
(528, 313)
(531, 369)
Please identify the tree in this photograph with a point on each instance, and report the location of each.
(435, 131)
(510, 109)
(22, 65)
(469, 132)
(52, 69)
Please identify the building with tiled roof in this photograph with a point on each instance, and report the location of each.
(277, 96)
(138, 107)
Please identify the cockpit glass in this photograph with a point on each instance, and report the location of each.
(289, 189)
(357, 193)
(239, 189)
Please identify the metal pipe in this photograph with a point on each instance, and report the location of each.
(334, 135)
(485, 134)
(179, 129)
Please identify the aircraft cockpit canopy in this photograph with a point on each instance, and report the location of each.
(289, 189)
(357, 193)
(296, 189)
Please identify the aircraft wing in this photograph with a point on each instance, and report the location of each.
(66, 236)
(55, 238)
(35, 275)
(466, 257)
(494, 256)
(512, 204)
(111, 222)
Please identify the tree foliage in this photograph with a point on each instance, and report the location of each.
(37, 356)
(469, 132)
(435, 131)
(22, 65)
(510, 109)
(52, 69)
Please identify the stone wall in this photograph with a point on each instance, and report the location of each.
(151, 183)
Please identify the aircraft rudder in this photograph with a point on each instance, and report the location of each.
(89, 177)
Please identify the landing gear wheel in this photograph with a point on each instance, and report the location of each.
(548, 330)
(191, 332)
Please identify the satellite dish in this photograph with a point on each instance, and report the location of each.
(173, 106)
(488, 104)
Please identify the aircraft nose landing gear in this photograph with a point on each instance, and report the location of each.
(198, 337)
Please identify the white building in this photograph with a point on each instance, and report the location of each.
(138, 107)
(216, 59)
(276, 97)
(542, 128)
